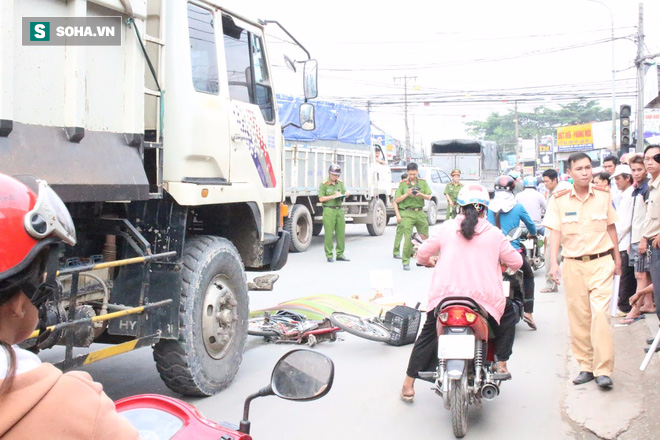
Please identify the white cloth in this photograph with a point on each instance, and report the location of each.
(639, 213)
(25, 361)
(623, 226)
(616, 195)
(502, 201)
(534, 204)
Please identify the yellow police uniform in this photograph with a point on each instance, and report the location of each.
(588, 272)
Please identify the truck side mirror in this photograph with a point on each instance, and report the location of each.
(307, 119)
(310, 79)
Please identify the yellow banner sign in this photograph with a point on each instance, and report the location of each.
(575, 138)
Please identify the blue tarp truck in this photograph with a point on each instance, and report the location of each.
(342, 136)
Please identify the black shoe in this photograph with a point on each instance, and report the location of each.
(649, 341)
(657, 349)
(604, 381)
(331, 260)
(342, 258)
(398, 257)
(584, 377)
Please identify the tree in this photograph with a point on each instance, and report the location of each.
(542, 121)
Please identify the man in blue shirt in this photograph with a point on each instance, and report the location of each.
(505, 213)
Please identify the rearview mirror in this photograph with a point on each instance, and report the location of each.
(310, 79)
(302, 375)
(307, 118)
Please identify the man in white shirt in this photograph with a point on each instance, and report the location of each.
(532, 200)
(628, 285)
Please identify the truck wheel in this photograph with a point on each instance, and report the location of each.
(379, 215)
(432, 214)
(317, 228)
(299, 224)
(213, 319)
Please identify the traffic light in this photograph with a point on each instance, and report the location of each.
(624, 128)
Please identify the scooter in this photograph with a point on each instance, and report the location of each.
(532, 245)
(300, 375)
(466, 371)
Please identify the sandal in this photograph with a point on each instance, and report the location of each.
(628, 321)
(549, 290)
(529, 322)
(406, 398)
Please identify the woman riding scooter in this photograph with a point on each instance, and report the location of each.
(471, 250)
(37, 400)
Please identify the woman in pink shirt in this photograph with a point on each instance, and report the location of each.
(470, 251)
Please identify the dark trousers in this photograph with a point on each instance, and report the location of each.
(627, 284)
(655, 277)
(424, 355)
(528, 284)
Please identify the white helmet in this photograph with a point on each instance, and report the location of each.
(473, 194)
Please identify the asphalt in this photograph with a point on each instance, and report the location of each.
(631, 409)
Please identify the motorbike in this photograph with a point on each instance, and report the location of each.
(532, 246)
(299, 375)
(466, 370)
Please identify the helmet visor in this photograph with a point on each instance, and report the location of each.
(49, 216)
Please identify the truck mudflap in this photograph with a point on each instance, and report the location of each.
(281, 251)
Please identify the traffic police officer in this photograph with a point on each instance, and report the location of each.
(582, 221)
(331, 195)
(410, 198)
(451, 193)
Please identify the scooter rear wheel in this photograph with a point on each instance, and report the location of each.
(361, 327)
(459, 406)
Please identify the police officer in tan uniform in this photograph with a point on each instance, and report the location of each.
(582, 221)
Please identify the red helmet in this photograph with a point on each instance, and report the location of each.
(505, 183)
(32, 217)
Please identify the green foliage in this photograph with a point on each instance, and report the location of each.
(541, 122)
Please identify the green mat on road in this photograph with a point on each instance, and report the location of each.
(319, 307)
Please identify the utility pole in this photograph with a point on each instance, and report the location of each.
(640, 80)
(515, 109)
(405, 79)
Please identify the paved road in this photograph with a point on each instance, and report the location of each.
(364, 401)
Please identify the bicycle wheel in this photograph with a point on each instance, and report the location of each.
(361, 327)
(258, 327)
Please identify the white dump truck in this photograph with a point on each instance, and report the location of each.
(166, 146)
(477, 160)
(342, 136)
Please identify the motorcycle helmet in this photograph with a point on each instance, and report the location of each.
(514, 175)
(505, 183)
(334, 169)
(529, 182)
(473, 194)
(33, 220)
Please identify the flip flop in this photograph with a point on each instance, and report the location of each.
(529, 322)
(628, 321)
(407, 399)
(547, 290)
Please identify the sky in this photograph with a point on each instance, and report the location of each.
(460, 61)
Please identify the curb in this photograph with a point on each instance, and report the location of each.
(625, 411)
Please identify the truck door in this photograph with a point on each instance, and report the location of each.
(255, 138)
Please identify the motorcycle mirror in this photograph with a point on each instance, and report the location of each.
(302, 375)
(299, 375)
(514, 233)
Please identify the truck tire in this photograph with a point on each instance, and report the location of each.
(379, 216)
(432, 214)
(213, 319)
(317, 228)
(299, 224)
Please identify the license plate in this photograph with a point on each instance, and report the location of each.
(506, 285)
(456, 347)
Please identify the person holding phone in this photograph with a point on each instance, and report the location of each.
(331, 194)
